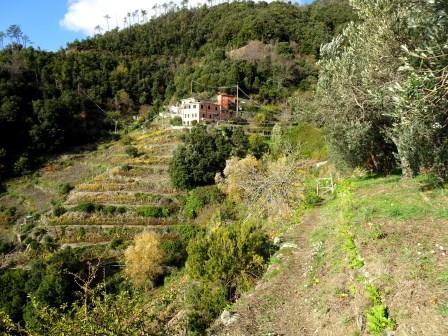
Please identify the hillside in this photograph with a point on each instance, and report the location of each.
(98, 196)
(319, 210)
(374, 258)
(138, 69)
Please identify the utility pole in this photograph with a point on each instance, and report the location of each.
(237, 95)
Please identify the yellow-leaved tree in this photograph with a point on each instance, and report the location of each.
(144, 259)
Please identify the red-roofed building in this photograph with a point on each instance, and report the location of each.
(199, 111)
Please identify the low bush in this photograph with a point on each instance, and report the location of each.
(59, 211)
(65, 188)
(121, 210)
(89, 207)
(176, 121)
(116, 243)
(110, 209)
(131, 151)
(6, 246)
(151, 211)
(200, 197)
(257, 145)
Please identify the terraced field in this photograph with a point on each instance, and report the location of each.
(133, 194)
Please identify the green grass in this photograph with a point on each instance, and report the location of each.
(396, 199)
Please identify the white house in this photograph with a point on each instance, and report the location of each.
(189, 110)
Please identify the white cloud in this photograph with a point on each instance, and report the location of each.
(84, 15)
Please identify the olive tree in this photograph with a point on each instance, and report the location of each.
(381, 86)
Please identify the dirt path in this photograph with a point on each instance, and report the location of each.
(277, 305)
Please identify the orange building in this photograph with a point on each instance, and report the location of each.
(227, 102)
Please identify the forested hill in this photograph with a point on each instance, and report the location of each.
(50, 101)
(197, 32)
(160, 58)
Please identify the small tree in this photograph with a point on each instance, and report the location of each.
(143, 259)
(176, 121)
(196, 162)
(115, 117)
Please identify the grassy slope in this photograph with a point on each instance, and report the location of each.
(374, 258)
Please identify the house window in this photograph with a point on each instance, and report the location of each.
(216, 108)
(202, 106)
(209, 107)
(194, 106)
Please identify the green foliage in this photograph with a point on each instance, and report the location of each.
(382, 111)
(116, 243)
(310, 198)
(65, 188)
(176, 121)
(152, 211)
(355, 261)
(59, 211)
(373, 294)
(231, 254)
(13, 294)
(224, 260)
(6, 246)
(7, 325)
(305, 140)
(131, 151)
(378, 320)
(257, 145)
(240, 143)
(89, 207)
(206, 301)
(196, 162)
(108, 314)
(121, 210)
(200, 197)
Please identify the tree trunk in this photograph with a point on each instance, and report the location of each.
(406, 167)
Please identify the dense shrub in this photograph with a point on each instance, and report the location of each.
(225, 260)
(131, 151)
(89, 207)
(202, 155)
(59, 210)
(116, 243)
(152, 211)
(13, 294)
(205, 301)
(6, 246)
(176, 121)
(200, 197)
(121, 210)
(257, 145)
(65, 188)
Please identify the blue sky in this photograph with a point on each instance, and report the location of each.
(39, 19)
(50, 24)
